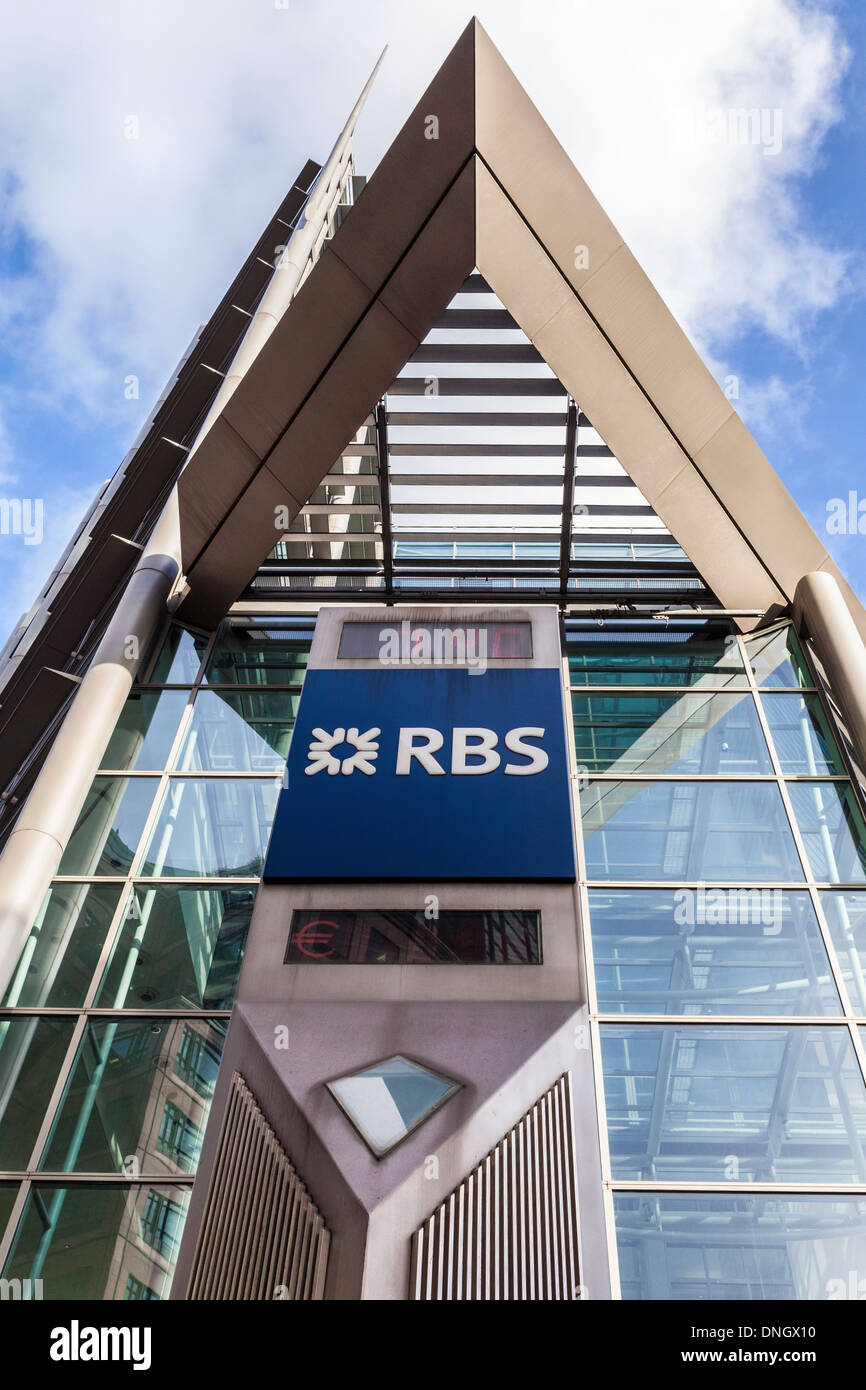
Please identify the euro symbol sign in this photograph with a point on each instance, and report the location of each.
(308, 938)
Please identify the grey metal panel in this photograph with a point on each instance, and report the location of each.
(261, 1236)
(509, 1231)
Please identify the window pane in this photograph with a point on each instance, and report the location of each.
(657, 733)
(62, 950)
(239, 732)
(260, 651)
(831, 824)
(107, 832)
(777, 658)
(763, 1104)
(145, 731)
(801, 733)
(846, 918)
(180, 658)
(112, 1109)
(179, 948)
(640, 657)
(688, 832)
(31, 1054)
(756, 1248)
(402, 936)
(8, 1193)
(217, 827)
(710, 951)
(90, 1241)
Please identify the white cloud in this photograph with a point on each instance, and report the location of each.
(136, 237)
(131, 242)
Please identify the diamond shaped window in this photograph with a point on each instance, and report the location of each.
(386, 1101)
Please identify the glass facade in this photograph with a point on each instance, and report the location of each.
(722, 877)
(112, 1027)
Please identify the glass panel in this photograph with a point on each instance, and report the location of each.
(801, 734)
(215, 827)
(8, 1193)
(387, 1101)
(688, 832)
(239, 731)
(657, 733)
(107, 832)
(62, 950)
(145, 731)
(640, 657)
(180, 658)
(112, 1110)
(846, 918)
(404, 937)
(709, 951)
(434, 643)
(831, 824)
(764, 1104)
(777, 658)
(31, 1054)
(97, 1243)
(260, 651)
(179, 948)
(750, 1247)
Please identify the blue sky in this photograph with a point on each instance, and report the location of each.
(112, 249)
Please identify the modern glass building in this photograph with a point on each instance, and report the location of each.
(535, 968)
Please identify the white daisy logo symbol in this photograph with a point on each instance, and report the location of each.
(321, 755)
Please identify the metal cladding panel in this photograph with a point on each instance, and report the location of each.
(449, 814)
(261, 1236)
(509, 1231)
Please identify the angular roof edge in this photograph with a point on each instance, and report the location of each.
(492, 189)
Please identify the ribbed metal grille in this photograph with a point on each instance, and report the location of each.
(509, 1231)
(262, 1237)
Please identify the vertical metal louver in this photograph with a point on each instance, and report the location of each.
(261, 1237)
(509, 1231)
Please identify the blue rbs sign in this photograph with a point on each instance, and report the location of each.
(425, 775)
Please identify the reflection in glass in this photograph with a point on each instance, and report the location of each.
(180, 658)
(113, 1105)
(100, 1243)
(214, 827)
(846, 918)
(260, 651)
(107, 832)
(777, 658)
(746, 1247)
(8, 1193)
(688, 832)
(670, 734)
(32, 1050)
(801, 734)
(403, 936)
(709, 951)
(145, 731)
(387, 1101)
(682, 656)
(831, 824)
(179, 948)
(239, 731)
(762, 1104)
(61, 952)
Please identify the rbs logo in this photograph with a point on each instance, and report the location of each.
(426, 775)
(474, 751)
